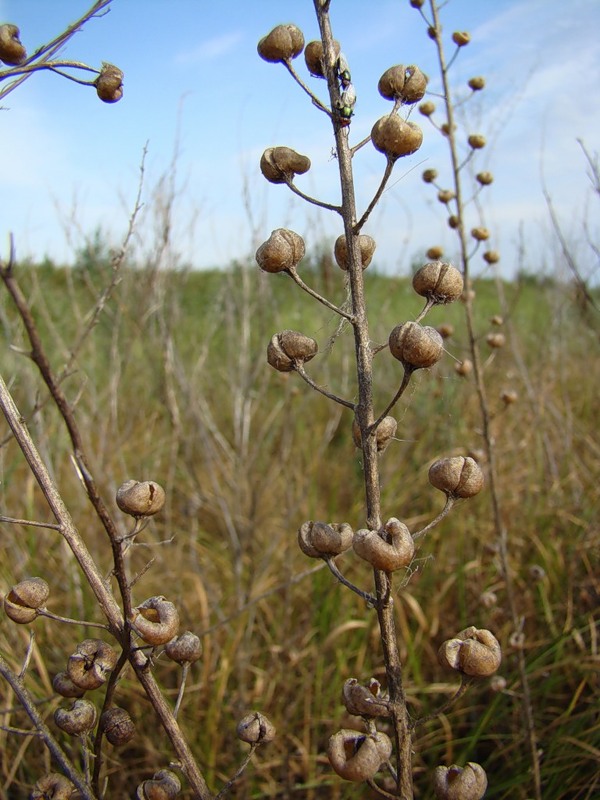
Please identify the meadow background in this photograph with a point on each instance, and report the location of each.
(173, 386)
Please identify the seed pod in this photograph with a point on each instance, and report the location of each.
(318, 539)
(477, 83)
(358, 756)
(407, 84)
(117, 725)
(416, 346)
(496, 340)
(140, 498)
(109, 84)
(290, 347)
(77, 720)
(282, 250)
(435, 252)
(458, 783)
(458, 476)
(90, 664)
(24, 600)
(485, 178)
(446, 196)
(395, 138)
(445, 330)
(476, 141)
(12, 51)
(156, 620)
(313, 56)
(366, 246)
(281, 164)
(453, 222)
(365, 701)
(427, 108)
(509, 396)
(473, 652)
(165, 785)
(461, 38)
(185, 649)
(417, 3)
(64, 686)
(429, 175)
(255, 728)
(52, 787)
(497, 319)
(283, 43)
(438, 281)
(386, 430)
(480, 233)
(391, 549)
(464, 368)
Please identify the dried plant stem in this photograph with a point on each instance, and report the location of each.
(292, 272)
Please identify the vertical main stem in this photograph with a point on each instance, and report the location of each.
(365, 417)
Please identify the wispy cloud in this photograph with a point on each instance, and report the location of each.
(210, 49)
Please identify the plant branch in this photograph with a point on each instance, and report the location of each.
(299, 367)
(298, 280)
(368, 598)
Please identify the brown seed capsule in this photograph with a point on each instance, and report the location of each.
(283, 250)
(156, 620)
(464, 368)
(365, 701)
(416, 346)
(395, 138)
(64, 686)
(366, 246)
(407, 84)
(185, 649)
(77, 720)
(283, 43)
(446, 195)
(498, 683)
(496, 340)
(509, 396)
(281, 164)
(480, 234)
(288, 348)
(358, 756)
(255, 728)
(468, 295)
(165, 785)
(453, 221)
(497, 319)
(12, 51)
(445, 330)
(429, 175)
(485, 178)
(474, 652)
(491, 256)
(427, 108)
(477, 83)
(445, 129)
(52, 787)
(386, 430)
(461, 38)
(24, 600)
(90, 664)
(313, 56)
(476, 141)
(438, 281)
(117, 725)
(417, 3)
(458, 783)
(458, 476)
(318, 539)
(390, 549)
(109, 84)
(140, 498)
(435, 252)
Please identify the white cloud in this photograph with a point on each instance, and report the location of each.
(210, 49)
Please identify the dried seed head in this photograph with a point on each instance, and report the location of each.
(12, 51)
(477, 83)
(438, 281)
(468, 295)
(459, 476)
(476, 141)
(461, 38)
(416, 346)
(366, 246)
(509, 396)
(281, 164)
(313, 56)
(109, 84)
(52, 787)
(445, 330)
(445, 128)
(319, 539)
(536, 572)
(140, 498)
(365, 701)
(389, 549)
(496, 340)
(480, 233)
(473, 652)
(429, 175)
(283, 43)
(117, 725)
(90, 664)
(288, 348)
(484, 178)
(64, 686)
(435, 252)
(165, 785)
(488, 599)
(358, 756)
(453, 221)
(491, 256)
(497, 319)
(185, 649)
(283, 250)
(395, 138)
(458, 783)
(25, 599)
(386, 430)
(156, 620)
(406, 84)
(77, 720)
(464, 368)
(446, 195)
(498, 683)
(255, 728)
(417, 3)
(427, 108)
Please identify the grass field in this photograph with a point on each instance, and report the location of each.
(173, 385)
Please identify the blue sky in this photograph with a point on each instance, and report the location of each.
(195, 86)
